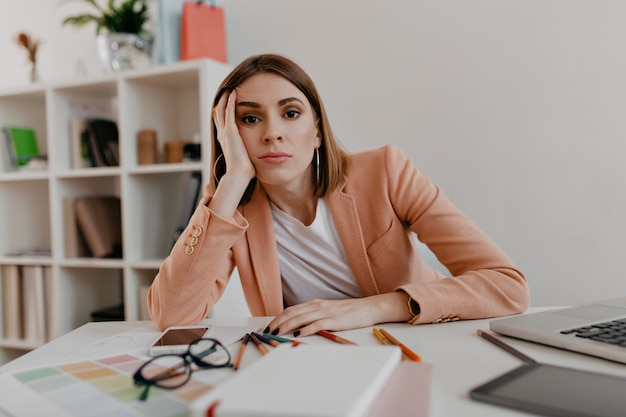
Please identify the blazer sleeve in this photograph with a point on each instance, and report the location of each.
(194, 275)
(484, 282)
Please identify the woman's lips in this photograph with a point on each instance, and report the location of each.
(274, 157)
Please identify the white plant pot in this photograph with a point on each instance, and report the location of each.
(121, 51)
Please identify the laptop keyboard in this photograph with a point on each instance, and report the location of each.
(613, 332)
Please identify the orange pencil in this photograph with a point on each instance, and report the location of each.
(408, 352)
(335, 338)
(244, 342)
(259, 344)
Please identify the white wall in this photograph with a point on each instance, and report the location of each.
(515, 108)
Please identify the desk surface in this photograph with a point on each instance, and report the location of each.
(461, 359)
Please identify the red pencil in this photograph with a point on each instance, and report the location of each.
(335, 338)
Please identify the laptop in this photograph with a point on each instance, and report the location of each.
(596, 329)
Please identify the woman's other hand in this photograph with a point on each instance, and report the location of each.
(308, 318)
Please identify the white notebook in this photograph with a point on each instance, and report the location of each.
(305, 381)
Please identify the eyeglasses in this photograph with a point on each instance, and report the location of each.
(171, 371)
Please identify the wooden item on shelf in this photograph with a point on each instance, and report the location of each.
(174, 151)
(147, 152)
(99, 219)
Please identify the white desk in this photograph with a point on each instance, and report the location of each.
(461, 360)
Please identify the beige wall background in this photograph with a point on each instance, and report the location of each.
(515, 108)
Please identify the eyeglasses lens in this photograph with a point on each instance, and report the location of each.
(168, 371)
(209, 352)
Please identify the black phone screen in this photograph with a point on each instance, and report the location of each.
(181, 336)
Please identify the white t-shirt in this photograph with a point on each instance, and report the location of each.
(313, 263)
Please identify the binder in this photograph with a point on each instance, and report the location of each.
(33, 303)
(12, 303)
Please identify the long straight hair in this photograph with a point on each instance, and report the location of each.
(332, 159)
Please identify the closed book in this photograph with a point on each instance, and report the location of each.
(12, 302)
(73, 239)
(303, 380)
(100, 221)
(80, 143)
(24, 142)
(33, 304)
(103, 141)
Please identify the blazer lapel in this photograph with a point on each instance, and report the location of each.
(346, 218)
(263, 254)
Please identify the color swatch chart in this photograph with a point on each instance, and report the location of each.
(105, 388)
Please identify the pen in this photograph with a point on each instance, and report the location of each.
(408, 352)
(504, 346)
(381, 337)
(244, 342)
(335, 338)
(267, 340)
(259, 344)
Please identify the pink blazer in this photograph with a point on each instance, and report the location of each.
(382, 200)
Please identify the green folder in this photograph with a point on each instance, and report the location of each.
(24, 143)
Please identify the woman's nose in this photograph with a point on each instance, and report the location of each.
(273, 131)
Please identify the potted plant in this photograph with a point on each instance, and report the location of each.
(121, 35)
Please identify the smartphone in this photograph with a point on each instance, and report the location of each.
(176, 339)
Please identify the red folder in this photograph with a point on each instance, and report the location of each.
(202, 32)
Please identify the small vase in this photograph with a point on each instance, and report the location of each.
(34, 76)
(120, 51)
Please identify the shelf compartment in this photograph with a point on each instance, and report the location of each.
(80, 291)
(166, 102)
(30, 232)
(152, 212)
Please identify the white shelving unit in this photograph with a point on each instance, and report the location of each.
(173, 100)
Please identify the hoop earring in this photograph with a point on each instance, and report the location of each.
(317, 166)
(215, 168)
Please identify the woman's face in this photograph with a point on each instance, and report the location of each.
(279, 130)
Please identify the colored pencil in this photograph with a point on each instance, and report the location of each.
(281, 339)
(381, 337)
(335, 338)
(259, 344)
(504, 346)
(242, 347)
(267, 340)
(408, 352)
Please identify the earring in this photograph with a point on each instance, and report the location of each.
(215, 167)
(317, 166)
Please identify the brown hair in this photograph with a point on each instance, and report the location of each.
(332, 159)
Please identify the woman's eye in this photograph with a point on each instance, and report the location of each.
(250, 119)
(292, 114)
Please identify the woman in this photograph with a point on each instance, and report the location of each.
(321, 238)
